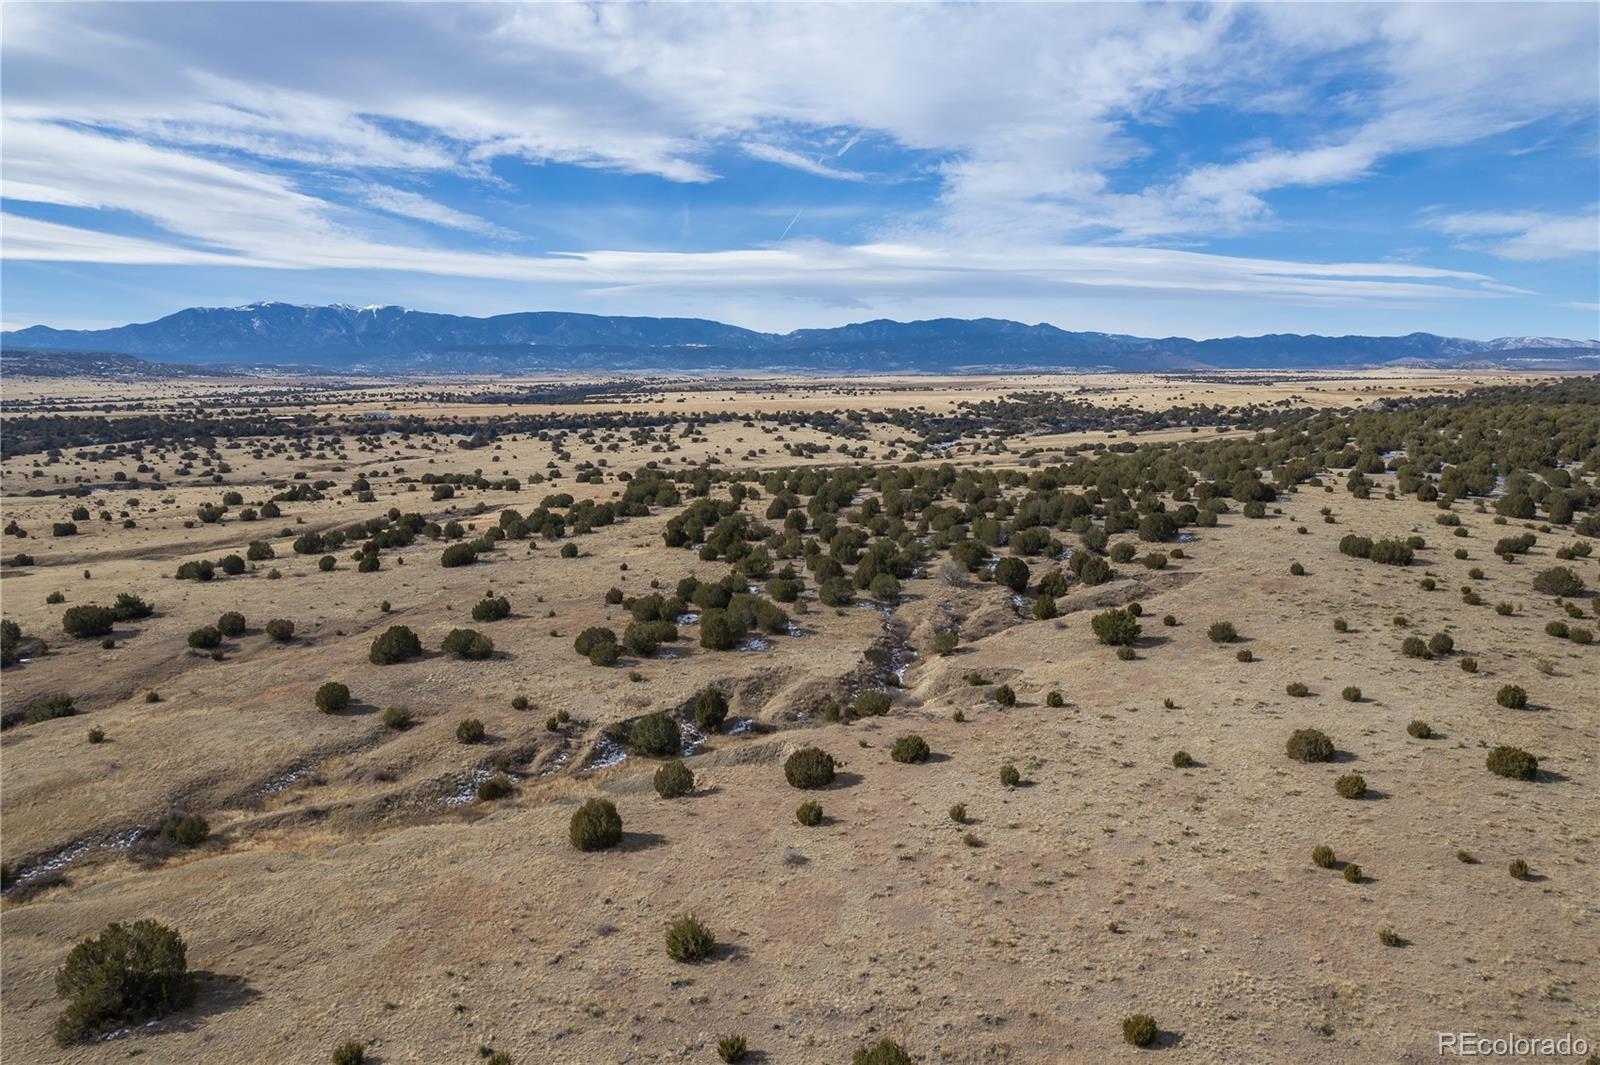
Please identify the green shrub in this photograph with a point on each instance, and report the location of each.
(470, 731)
(97, 735)
(1419, 730)
(1512, 697)
(332, 697)
(1055, 700)
(870, 704)
(604, 654)
(491, 609)
(1341, 625)
(1297, 690)
(1139, 1029)
(1351, 786)
(190, 830)
(86, 622)
(911, 748)
(710, 710)
(1009, 777)
(945, 642)
(1322, 856)
(281, 630)
(1512, 762)
(809, 814)
(395, 644)
(1558, 580)
(463, 554)
(1352, 873)
(1004, 696)
(397, 717)
(595, 826)
(1182, 760)
(809, 767)
(231, 624)
(720, 630)
(1415, 647)
(205, 638)
(883, 1052)
(689, 940)
(1518, 869)
(494, 788)
(201, 570)
(674, 780)
(1115, 628)
(1351, 694)
(1245, 655)
(836, 591)
(1222, 632)
(467, 643)
(349, 1053)
(1441, 643)
(1013, 573)
(732, 1048)
(655, 735)
(1469, 665)
(126, 975)
(1309, 745)
(130, 607)
(958, 813)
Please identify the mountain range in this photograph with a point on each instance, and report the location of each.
(390, 339)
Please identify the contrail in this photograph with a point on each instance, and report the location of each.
(792, 221)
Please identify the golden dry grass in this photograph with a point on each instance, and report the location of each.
(347, 894)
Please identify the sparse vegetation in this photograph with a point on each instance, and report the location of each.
(910, 749)
(674, 780)
(595, 826)
(809, 767)
(689, 940)
(1513, 763)
(128, 974)
(1310, 745)
(1139, 1029)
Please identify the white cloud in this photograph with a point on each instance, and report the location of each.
(28, 239)
(1524, 235)
(229, 131)
(409, 204)
(772, 153)
(816, 269)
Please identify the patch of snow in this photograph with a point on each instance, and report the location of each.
(467, 789)
(607, 753)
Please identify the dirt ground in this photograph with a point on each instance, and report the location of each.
(354, 888)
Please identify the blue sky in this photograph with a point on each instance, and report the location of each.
(1194, 170)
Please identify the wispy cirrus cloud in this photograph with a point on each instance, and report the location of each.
(1529, 236)
(408, 204)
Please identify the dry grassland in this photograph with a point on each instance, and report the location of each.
(353, 886)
